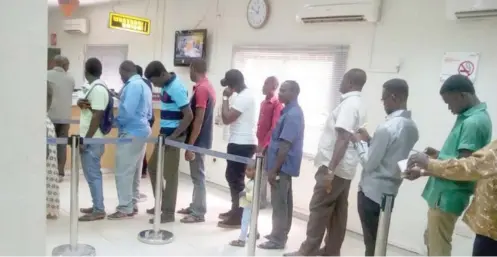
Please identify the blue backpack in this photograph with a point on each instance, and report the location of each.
(108, 118)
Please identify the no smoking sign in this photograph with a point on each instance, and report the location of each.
(466, 68)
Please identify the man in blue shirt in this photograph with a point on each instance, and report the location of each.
(284, 156)
(175, 117)
(135, 109)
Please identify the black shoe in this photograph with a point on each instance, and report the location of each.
(225, 215)
(164, 218)
(151, 211)
(233, 221)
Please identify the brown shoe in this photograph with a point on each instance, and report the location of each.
(92, 216)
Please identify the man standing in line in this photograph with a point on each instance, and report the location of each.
(92, 107)
(392, 142)
(337, 163)
(63, 86)
(135, 110)
(176, 115)
(139, 70)
(284, 156)
(241, 117)
(481, 215)
(199, 134)
(472, 130)
(268, 116)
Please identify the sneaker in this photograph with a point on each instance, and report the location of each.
(225, 215)
(192, 219)
(120, 216)
(86, 210)
(164, 218)
(92, 216)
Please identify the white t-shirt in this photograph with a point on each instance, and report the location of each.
(98, 96)
(243, 130)
(349, 115)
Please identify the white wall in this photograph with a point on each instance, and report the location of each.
(23, 58)
(415, 32)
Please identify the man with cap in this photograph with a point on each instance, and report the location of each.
(242, 118)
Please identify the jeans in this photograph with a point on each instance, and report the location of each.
(244, 229)
(90, 162)
(197, 173)
(129, 158)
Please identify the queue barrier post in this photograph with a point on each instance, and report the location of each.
(255, 206)
(157, 236)
(384, 225)
(73, 248)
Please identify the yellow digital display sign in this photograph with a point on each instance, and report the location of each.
(129, 23)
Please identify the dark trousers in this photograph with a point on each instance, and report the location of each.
(171, 160)
(61, 130)
(369, 213)
(484, 246)
(235, 173)
(328, 211)
(282, 202)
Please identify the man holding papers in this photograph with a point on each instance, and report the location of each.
(391, 143)
(481, 166)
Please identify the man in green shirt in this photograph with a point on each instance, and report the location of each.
(472, 131)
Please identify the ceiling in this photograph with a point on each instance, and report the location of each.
(53, 3)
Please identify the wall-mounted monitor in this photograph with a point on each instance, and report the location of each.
(189, 45)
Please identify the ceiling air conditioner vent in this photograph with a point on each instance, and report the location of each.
(346, 18)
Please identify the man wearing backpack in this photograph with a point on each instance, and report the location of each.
(94, 108)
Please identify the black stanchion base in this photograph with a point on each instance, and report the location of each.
(152, 237)
(79, 250)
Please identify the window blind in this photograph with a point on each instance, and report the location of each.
(318, 71)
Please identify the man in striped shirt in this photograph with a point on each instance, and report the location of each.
(176, 115)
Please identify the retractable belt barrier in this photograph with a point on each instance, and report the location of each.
(384, 225)
(154, 236)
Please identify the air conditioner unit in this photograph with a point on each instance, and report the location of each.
(470, 9)
(319, 11)
(76, 26)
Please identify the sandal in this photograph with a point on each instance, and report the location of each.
(237, 243)
(192, 219)
(185, 211)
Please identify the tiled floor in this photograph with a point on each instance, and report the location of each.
(114, 238)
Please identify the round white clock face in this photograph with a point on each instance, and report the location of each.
(257, 13)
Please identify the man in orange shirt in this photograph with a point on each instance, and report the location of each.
(268, 117)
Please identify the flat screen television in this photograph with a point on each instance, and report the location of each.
(189, 45)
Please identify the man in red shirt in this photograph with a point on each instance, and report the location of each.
(268, 117)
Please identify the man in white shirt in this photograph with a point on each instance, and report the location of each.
(60, 112)
(337, 162)
(92, 107)
(242, 118)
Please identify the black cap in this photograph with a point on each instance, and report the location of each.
(232, 77)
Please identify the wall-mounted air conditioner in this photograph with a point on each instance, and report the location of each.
(76, 26)
(470, 9)
(319, 11)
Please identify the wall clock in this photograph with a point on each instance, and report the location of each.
(257, 13)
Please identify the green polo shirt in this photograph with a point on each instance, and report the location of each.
(472, 131)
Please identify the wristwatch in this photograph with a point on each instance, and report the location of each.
(225, 98)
